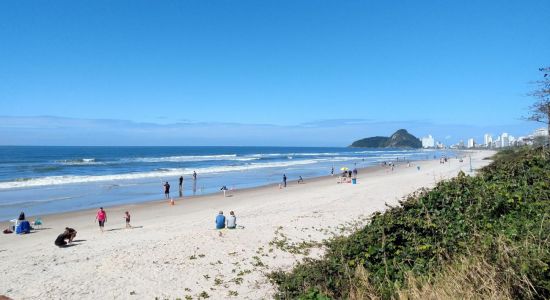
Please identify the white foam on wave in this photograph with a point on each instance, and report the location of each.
(163, 173)
(190, 158)
(82, 161)
(266, 155)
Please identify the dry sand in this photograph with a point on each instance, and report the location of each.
(174, 251)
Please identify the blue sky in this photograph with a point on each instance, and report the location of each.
(319, 73)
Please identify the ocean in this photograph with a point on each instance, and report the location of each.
(42, 180)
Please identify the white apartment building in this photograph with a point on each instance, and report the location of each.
(488, 140)
(428, 142)
(471, 143)
(504, 140)
(540, 132)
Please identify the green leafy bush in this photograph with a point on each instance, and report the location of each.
(501, 216)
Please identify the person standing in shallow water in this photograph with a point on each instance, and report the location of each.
(194, 175)
(167, 190)
(181, 183)
(284, 180)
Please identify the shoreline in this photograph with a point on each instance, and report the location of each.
(174, 251)
(178, 200)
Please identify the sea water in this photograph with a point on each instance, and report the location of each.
(42, 180)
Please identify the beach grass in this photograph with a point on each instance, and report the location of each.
(476, 237)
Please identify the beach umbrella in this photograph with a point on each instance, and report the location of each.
(344, 169)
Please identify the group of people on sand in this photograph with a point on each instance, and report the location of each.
(69, 234)
(101, 218)
(229, 222)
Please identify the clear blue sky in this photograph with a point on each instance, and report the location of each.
(266, 72)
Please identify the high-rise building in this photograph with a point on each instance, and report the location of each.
(540, 132)
(471, 143)
(488, 140)
(505, 140)
(428, 142)
(497, 143)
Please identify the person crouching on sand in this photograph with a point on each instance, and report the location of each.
(127, 218)
(101, 217)
(68, 234)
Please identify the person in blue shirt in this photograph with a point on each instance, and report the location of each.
(220, 221)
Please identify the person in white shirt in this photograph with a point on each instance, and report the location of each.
(231, 221)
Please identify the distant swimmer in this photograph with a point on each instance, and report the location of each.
(167, 190)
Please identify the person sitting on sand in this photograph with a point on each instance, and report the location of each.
(68, 234)
(231, 221)
(127, 218)
(21, 217)
(220, 221)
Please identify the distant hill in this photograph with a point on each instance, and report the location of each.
(400, 139)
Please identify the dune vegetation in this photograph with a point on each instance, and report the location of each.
(472, 237)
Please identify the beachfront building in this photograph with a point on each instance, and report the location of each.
(488, 140)
(428, 142)
(497, 143)
(540, 132)
(471, 143)
(504, 140)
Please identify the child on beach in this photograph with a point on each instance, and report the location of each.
(127, 217)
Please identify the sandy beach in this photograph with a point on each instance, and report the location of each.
(174, 251)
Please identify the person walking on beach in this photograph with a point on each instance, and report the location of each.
(101, 217)
(181, 183)
(167, 190)
(127, 218)
(194, 175)
(355, 172)
(332, 171)
(284, 180)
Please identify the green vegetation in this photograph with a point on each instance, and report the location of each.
(481, 237)
(400, 139)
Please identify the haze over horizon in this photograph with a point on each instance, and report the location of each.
(277, 73)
